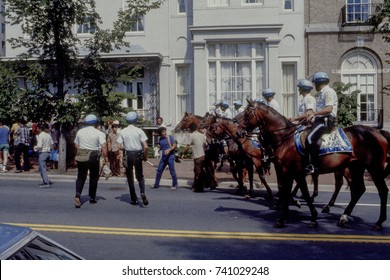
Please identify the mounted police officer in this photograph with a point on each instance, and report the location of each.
(324, 117)
(90, 143)
(237, 107)
(308, 103)
(269, 96)
(135, 151)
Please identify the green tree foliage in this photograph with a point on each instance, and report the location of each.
(381, 24)
(347, 109)
(53, 44)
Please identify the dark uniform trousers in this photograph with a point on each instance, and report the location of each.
(134, 161)
(93, 165)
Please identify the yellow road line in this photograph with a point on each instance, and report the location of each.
(209, 234)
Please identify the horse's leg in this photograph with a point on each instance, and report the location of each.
(357, 190)
(338, 179)
(295, 190)
(315, 185)
(249, 168)
(270, 195)
(301, 182)
(383, 191)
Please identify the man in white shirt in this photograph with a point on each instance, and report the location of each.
(89, 143)
(135, 148)
(43, 147)
(269, 96)
(324, 117)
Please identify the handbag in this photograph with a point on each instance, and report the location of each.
(84, 155)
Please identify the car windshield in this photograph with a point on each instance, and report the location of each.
(41, 249)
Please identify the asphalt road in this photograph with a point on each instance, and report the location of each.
(182, 225)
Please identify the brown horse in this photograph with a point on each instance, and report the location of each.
(369, 151)
(252, 155)
(186, 122)
(211, 156)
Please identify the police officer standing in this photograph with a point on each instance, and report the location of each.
(135, 148)
(89, 143)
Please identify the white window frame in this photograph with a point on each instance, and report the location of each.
(85, 28)
(353, 16)
(241, 87)
(362, 75)
(289, 94)
(132, 86)
(183, 98)
(218, 3)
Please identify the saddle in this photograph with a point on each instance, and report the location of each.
(334, 142)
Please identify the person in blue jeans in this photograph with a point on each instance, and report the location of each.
(168, 146)
(43, 147)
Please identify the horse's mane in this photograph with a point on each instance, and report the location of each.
(279, 115)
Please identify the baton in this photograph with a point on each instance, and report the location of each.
(148, 162)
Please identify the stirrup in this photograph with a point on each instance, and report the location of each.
(310, 169)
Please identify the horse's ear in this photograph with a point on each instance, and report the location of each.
(186, 114)
(207, 114)
(250, 102)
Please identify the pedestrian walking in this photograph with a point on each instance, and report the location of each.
(22, 146)
(114, 149)
(133, 140)
(4, 146)
(43, 148)
(167, 146)
(90, 144)
(198, 142)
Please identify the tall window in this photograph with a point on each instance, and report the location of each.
(288, 5)
(182, 6)
(289, 78)
(360, 70)
(183, 88)
(357, 10)
(138, 26)
(235, 71)
(137, 89)
(218, 2)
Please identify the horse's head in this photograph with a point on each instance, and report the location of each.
(186, 122)
(207, 120)
(248, 120)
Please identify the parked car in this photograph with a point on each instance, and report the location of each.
(23, 243)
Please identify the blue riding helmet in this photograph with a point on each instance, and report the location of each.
(268, 92)
(320, 77)
(224, 104)
(131, 117)
(90, 119)
(305, 85)
(237, 103)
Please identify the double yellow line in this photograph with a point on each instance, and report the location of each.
(209, 234)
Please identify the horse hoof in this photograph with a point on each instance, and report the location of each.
(313, 224)
(326, 209)
(279, 225)
(377, 228)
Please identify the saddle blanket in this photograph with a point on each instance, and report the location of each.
(334, 142)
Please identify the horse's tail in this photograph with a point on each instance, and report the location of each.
(386, 134)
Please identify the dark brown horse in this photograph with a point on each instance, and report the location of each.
(243, 149)
(369, 151)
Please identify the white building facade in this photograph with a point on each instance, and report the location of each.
(194, 53)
